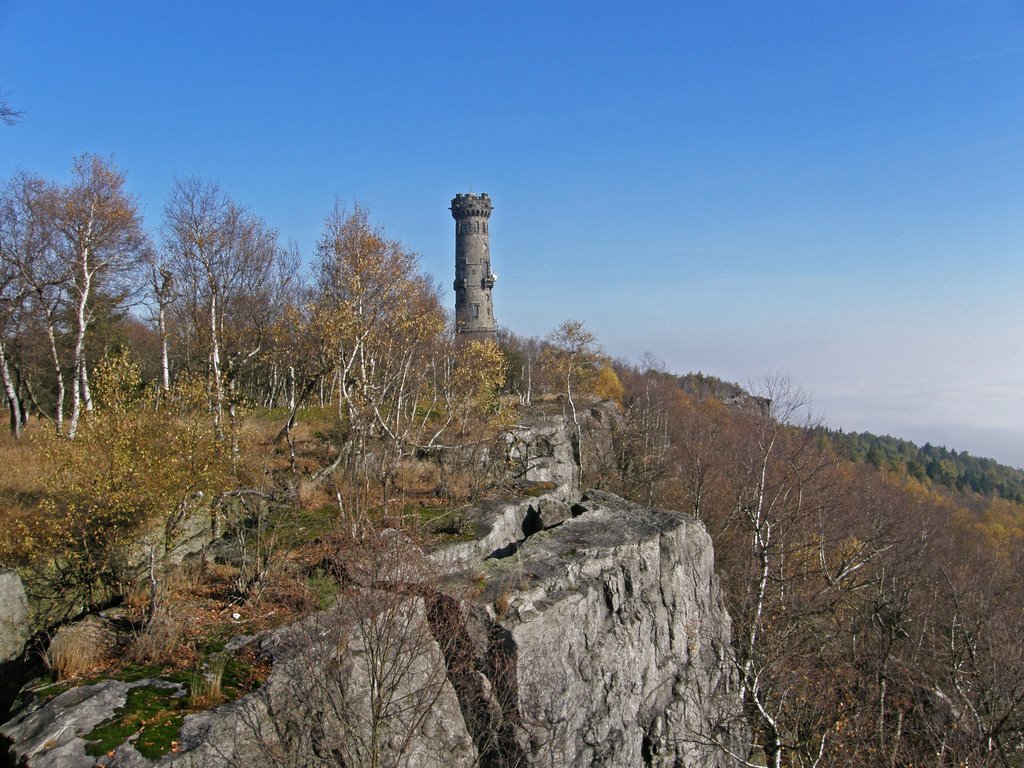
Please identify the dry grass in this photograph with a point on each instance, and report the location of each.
(186, 577)
(207, 681)
(136, 597)
(501, 604)
(314, 495)
(80, 648)
(162, 641)
(198, 604)
(418, 478)
(22, 485)
(24, 468)
(304, 432)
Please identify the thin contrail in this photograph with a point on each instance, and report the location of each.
(975, 57)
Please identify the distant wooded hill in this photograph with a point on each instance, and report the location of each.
(957, 471)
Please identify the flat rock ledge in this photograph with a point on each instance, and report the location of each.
(500, 526)
(52, 734)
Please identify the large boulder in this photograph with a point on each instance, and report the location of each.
(541, 450)
(14, 616)
(319, 700)
(501, 525)
(543, 462)
(364, 683)
(609, 644)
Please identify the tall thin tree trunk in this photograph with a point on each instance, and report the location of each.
(576, 423)
(292, 411)
(26, 383)
(58, 408)
(529, 382)
(76, 404)
(165, 368)
(11, 393)
(86, 392)
(79, 384)
(218, 388)
(21, 390)
(236, 450)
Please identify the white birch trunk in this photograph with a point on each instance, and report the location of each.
(86, 392)
(218, 388)
(12, 396)
(80, 382)
(58, 408)
(78, 352)
(165, 368)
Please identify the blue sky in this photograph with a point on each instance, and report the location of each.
(830, 190)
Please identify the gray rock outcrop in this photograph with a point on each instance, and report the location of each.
(540, 457)
(610, 644)
(540, 450)
(316, 708)
(14, 616)
(318, 699)
(53, 735)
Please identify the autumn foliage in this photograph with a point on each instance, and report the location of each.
(281, 414)
(872, 615)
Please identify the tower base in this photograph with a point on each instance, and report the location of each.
(463, 335)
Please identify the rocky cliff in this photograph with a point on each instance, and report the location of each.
(573, 630)
(607, 642)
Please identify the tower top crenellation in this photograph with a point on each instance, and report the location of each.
(466, 205)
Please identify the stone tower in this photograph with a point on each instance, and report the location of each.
(474, 311)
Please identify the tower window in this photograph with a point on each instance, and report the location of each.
(476, 311)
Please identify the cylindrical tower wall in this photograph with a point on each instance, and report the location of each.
(474, 308)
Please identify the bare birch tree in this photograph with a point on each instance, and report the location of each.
(201, 227)
(28, 249)
(162, 290)
(573, 355)
(11, 297)
(226, 261)
(379, 317)
(100, 240)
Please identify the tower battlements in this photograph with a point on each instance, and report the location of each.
(474, 308)
(467, 204)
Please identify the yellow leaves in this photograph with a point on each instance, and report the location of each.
(137, 461)
(606, 385)
(574, 356)
(714, 410)
(479, 376)
(1000, 524)
(372, 302)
